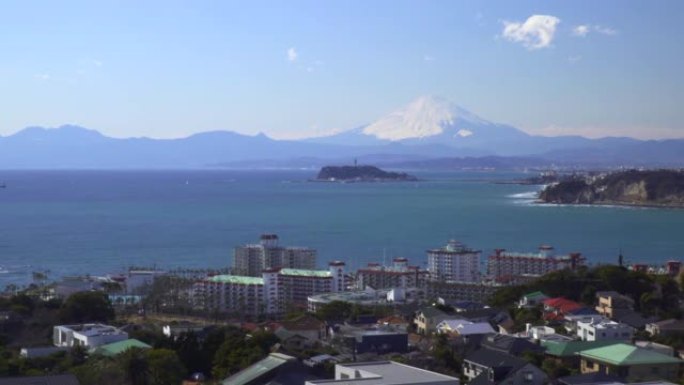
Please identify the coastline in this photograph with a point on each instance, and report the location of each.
(613, 204)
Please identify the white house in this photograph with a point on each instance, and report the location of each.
(602, 329)
(87, 335)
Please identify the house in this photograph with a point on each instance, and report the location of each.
(41, 351)
(611, 302)
(394, 321)
(292, 340)
(375, 340)
(533, 299)
(632, 318)
(427, 318)
(566, 352)
(570, 321)
(87, 335)
(594, 330)
(59, 379)
(555, 309)
(666, 327)
(275, 369)
(306, 326)
(175, 329)
(590, 379)
(384, 373)
(542, 333)
(486, 367)
(116, 348)
(656, 347)
(463, 328)
(630, 362)
(510, 345)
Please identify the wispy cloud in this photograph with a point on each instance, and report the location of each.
(43, 76)
(429, 58)
(580, 30)
(605, 30)
(583, 30)
(292, 54)
(537, 32)
(595, 132)
(574, 59)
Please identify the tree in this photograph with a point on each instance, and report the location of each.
(164, 367)
(87, 306)
(133, 363)
(335, 310)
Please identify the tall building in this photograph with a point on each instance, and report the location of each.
(454, 262)
(509, 264)
(272, 293)
(251, 260)
(397, 275)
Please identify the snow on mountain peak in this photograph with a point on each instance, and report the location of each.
(424, 117)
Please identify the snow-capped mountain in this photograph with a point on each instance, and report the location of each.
(433, 120)
(424, 117)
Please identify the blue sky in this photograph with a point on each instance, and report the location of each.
(299, 68)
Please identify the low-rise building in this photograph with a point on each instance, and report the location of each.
(89, 336)
(116, 348)
(384, 373)
(489, 367)
(666, 327)
(369, 297)
(533, 299)
(428, 318)
(480, 291)
(610, 303)
(604, 329)
(464, 328)
(630, 362)
(555, 309)
(378, 340)
(567, 352)
(57, 379)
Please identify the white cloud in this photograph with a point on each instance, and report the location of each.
(536, 32)
(574, 59)
(605, 30)
(580, 30)
(429, 58)
(292, 54)
(97, 63)
(583, 30)
(42, 76)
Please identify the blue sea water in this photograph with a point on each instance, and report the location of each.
(98, 222)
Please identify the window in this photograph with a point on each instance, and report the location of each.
(528, 376)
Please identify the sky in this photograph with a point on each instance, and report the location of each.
(294, 69)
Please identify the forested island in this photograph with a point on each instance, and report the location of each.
(360, 174)
(657, 188)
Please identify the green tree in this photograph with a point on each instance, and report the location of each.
(88, 306)
(135, 366)
(164, 367)
(335, 310)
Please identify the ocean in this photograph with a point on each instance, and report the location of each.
(99, 222)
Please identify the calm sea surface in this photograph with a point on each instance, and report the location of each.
(80, 222)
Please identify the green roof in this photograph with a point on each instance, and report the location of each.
(120, 347)
(625, 355)
(535, 294)
(238, 279)
(306, 273)
(273, 361)
(571, 348)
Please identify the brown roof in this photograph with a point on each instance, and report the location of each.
(392, 320)
(304, 322)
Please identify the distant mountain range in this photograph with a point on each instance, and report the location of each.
(429, 133)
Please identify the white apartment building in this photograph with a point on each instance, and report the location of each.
(87, 335)
(454, 262)
(271, 293)
(597, 329)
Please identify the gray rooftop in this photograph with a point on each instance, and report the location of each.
(387, 373)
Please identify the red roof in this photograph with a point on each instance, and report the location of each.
(561, 304)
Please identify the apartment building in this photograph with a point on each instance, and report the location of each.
(512, 264)
(397, 275)
(454, 262)
(251, 260)
(271, 293)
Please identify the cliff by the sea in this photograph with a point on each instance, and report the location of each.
(662, 188)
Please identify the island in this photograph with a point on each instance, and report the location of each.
(655, 188)
(361, 174)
